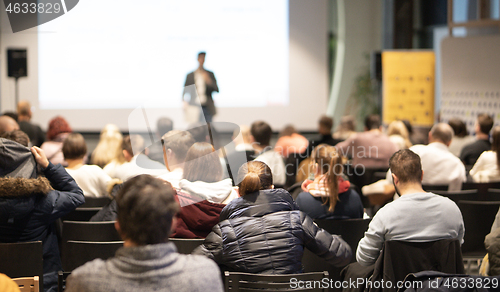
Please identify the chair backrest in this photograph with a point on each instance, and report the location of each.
(80, 252)
(478, 217)
(186, 246)
(61, 280)
(91, 202)
(28, 284)
(234, 281)
(481, 187)
(434, 188)
(456, 196)
(351, 230)
(90, 231)
(22, 259)
(82, 214)
(400, 258)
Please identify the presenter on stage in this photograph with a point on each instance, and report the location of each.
(205, 84)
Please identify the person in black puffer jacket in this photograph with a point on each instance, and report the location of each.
(264, 232)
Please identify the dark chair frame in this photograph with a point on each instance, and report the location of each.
(235, 281)
(80, 252)
(22, 259)
(185, 245)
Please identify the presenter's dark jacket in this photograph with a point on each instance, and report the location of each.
(208, 91)
(265, 233)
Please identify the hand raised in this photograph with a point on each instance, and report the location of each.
(40, 157)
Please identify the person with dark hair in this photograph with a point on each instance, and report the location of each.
(175, 146)
(59, 129)
(346, 129)
(7, 124)
(205, 85)
(329, 196)
(370, 149)
(163, 126)
(487, 167)
(325, 126)
(147, 261)
(37, 136)
(90, 178)
(30, 204)
(460, 137)
(264, 232)
(417, 216)
(471, 152)
(290, 142)
(261, 140)
(18, 136)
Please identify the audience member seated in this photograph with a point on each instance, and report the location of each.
(18, 136)
(243, 152)
(460, 137)
(136, 163)
(398, 134)
(372, 148)
(12, 115)
(346, 129)
(29, 206)
(163, 126)
(175, 147)
(487, 167)
(59, 129)
(90, 178)
(416, 217)
(264, 232)
(147, 261)
(7, 124)
(261, 140)
(290, 142)
(202, 176)
(325, 126)
(37, 136)
(492, 244)
(329, 196)
(109, 148)
(470, 153)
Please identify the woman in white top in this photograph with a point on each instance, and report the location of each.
(487, 165)
(90, 178)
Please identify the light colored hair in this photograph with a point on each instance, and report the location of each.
(109, 147)
(399, 128)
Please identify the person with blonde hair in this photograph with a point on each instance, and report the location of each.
(109, 147)
(487, 167)
(398, 134)
(264, 232)
(329, 196)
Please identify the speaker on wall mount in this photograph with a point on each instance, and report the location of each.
(17, 63)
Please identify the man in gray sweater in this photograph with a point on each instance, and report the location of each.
(147, 261)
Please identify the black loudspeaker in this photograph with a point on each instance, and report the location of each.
(17, 63)
(376, 66)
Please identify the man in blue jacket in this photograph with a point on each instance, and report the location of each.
(30, 205)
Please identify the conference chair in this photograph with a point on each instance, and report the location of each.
(61, 280)
(22, 259)
(82, 214)
(91, 202)
(28, 284)
(455, 196)
(90, 231)
(234, 281)
(434, 188)
(80, 252)
(478, 217)
(186, 246)
(481, 187)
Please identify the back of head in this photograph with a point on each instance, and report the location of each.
(17, 136)
(325, 124)
(261, 132)
(57, 125)
(164, 125)
(146, 206)
(24, 109)
(74, 146)
(133, 144)
(7, 124)
(372, 122)
(109, 146)
(397, 128)
(199, 132)
(329, 161)
(406, 166)
(179, 142)
(495, 146)
(441, 132)
(485, 123)
(458, 126)
(347, 123)
(289, 130)
(254, 176)
(202, 164)
(242, 135)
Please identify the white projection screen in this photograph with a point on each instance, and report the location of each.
(103, 59)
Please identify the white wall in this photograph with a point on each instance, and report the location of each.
(308, 79)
